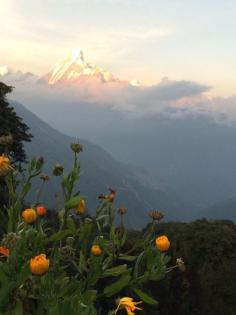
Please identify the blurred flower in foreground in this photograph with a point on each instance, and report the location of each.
(29, 215)
(41, 211)
(39, 264)
(129, 305)
(5, 165)
(96, 250)
(156, 215)
(4, 251)
(162, 243)
(80, 208)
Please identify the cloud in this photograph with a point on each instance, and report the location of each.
(172, 99)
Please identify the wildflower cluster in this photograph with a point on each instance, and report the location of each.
(80, 263)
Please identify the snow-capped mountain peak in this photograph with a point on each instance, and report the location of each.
(3, 71)
(75, 68)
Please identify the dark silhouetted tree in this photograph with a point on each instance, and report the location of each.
(15, 132)
(11, 124)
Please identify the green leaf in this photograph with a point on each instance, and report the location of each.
(127, 257)
(136, 267)
(71, 224)
(57, 236)
(26, 188)
(145, 297)
(123, 240)
(90, 296)
(82, 262)
(115, 271)
(166, 259)
(73, 202)
(117, 286)
(18, 310)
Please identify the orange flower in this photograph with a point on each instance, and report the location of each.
(4, 251)
(5, 165)
(129, 305)
(96, 250)
(41, 211)
(39, 264)
(29, 215)
(80, 208)
(162, 243)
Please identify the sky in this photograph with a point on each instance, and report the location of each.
(134, 39)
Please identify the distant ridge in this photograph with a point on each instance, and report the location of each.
(135, 189)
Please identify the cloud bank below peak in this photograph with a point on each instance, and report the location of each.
(168, 98)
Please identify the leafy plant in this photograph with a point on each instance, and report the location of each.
(81, 267)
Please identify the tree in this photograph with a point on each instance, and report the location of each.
(11, 124)
(13, 132)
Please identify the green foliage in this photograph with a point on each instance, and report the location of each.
(91, 263)
(209, 284)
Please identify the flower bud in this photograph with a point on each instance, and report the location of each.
(44, 177)
(58, 170)
(156, 215)
(96, 250)
(101, 196)
(5, 165)
(4, 251)
(180, 264)
(80, 208)
(111, 195)
(122, 210)
(39, 264)
(162, 243)
(66, 253)
(11, 240)
(41, 211)
(29, 215)
(76, 147)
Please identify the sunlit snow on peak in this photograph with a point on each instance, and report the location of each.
(75, 69)
(3, 70)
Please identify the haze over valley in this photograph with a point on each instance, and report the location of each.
(172, 130)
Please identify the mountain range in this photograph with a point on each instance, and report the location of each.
(74, 69)
(167, 130)
(136, 189)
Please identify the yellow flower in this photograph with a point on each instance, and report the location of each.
(29, 215)
(129, 305)
(96, 250)
(162, 243)
(80, 208)
(39, 264)
(5, 165)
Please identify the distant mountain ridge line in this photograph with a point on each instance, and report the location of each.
(99, 172)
